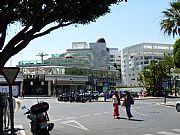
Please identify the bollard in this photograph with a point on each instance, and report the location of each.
(1, 115)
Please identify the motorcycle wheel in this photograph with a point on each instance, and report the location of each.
(44, 132)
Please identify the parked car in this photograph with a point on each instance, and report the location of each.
(178, 106)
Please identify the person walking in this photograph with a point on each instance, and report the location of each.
(128, 100)
(116, 103)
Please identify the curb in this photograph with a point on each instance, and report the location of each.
(168, 104)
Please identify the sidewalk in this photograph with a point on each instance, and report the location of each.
(101, 99)
(172, 104)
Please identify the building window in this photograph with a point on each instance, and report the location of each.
(146, 62)
(111, 56)
(112, 60)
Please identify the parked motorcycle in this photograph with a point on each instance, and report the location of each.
(38, 115)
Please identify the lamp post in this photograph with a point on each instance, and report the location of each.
(175, 84)
(54, 87)
(91, 76)
(118, 68)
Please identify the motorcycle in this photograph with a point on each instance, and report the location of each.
(38, 115)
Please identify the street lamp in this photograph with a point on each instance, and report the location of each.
(92, 82)
(54, 87)
(175, 84)
(118, 68)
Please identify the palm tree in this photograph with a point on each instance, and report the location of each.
(170, 24)
(42, 56)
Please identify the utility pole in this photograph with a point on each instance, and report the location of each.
(42, 56)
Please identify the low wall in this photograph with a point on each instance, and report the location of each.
(135, 89)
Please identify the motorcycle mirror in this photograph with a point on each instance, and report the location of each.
(23, 107)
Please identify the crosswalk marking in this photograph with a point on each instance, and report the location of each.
(21, 130)
(176, 130)
(74, 123)
(167, 133)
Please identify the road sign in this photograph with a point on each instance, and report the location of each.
(165, 84)
(10, 73)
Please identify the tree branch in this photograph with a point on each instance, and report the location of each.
(7, 54)
(20, 46)
(51, 29)
(16, 39)
(3, 36)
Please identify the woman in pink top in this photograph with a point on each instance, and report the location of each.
(116, 103)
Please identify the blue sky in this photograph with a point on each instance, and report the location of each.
(128, 23)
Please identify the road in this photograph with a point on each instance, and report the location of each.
(95, 118)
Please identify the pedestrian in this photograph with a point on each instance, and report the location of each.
(116, 103)
(128, 101)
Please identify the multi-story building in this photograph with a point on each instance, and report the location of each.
(135, 58)
(92, 56)
(115, 57)
(115, 64)
(127, 62)
(88, 60)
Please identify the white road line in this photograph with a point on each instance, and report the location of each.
(145, 106)
(141, 113)
(106, 112)
(147, 134)
(97, 114)
(167, 133)
(176, 130)
(85, 116)
(56, 120)
(71, 118)
(74, 123)
(20, 129)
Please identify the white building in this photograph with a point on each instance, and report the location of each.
(115, 64)
(115, 57)
(135, 58)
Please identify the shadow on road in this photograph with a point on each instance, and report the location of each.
(136, 120)
(124, 118)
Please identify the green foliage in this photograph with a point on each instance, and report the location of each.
(40, 17)
(176, 53)
(151, 76)
(170, 24)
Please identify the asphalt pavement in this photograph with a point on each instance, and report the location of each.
(101, 99)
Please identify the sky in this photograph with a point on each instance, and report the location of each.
(129, 23)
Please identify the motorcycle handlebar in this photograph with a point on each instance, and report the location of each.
(27, 112)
